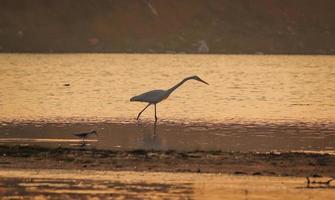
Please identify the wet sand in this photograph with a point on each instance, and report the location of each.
(240, 163)
(85, 184)
(230, 160)
(83, 172)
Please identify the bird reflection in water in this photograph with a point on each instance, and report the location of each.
(155, 96)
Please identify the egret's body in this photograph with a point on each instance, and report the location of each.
(155, 96)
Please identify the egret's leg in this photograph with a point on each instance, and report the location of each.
(155, 114)
(155, 127)
(139, 114)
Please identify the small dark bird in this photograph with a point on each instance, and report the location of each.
(84, 135)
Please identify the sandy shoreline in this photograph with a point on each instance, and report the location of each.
(241, 163)
(79, 173)
(83, 184)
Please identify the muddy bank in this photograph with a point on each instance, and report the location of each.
(87, 184)
(273, 164)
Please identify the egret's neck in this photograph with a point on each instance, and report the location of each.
(177, 86)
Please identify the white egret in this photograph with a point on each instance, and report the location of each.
(155, 96)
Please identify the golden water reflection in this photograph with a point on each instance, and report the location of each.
(61, 184)
(98, 86)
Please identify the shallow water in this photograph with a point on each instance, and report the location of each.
(33, 87)
(253, 103)
(60, 184)
(259, 137)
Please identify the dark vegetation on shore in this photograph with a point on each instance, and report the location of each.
(147, 26)
(239, 163)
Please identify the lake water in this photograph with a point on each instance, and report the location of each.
(259, 96)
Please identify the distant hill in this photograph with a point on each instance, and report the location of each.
(182, 26)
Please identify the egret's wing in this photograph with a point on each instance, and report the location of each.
(153, 96)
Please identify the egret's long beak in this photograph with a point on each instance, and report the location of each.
(203, 81)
